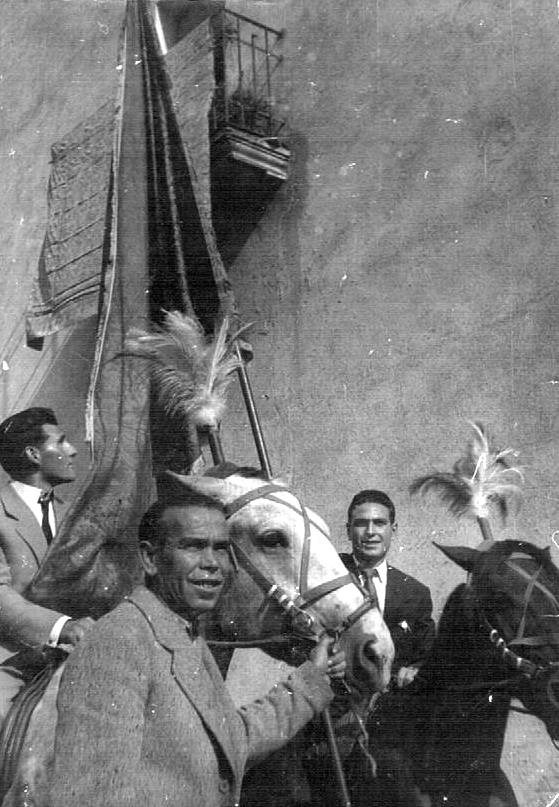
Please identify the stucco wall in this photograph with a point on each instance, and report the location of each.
(402, 282)
(57, 66)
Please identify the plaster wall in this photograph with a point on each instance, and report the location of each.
(57, 66)
(403, 282)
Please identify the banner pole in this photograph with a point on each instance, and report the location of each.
(248, 397)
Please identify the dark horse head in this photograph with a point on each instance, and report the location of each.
(514, 593)
(498, 639)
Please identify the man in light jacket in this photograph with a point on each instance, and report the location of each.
(37, 455)
(144, 715)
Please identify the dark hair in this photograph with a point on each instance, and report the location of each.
(19, 431)
(149, 525)
(375, 497)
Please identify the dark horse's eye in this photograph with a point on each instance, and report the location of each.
(272, 539)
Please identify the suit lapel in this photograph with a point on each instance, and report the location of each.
(25, 523)
(204, 687)
(196, 673)
(393, 601)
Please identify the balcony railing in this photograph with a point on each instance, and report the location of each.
(247, 76)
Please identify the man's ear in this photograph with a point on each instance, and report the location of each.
(395, 528)
(147, 557)
(32, 455)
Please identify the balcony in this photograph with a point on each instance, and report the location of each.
(244, 123)
(225, 77)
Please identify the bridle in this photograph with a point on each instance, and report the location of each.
(544, 677)
(470, 699)
(528, 668)
(305, 624)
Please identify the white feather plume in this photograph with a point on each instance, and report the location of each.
(191, 372)
(482, 477)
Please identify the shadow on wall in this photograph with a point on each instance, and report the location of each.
(241, 195)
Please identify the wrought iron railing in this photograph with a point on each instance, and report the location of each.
(247, 73)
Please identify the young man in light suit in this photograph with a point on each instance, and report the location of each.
(37, 455)
(407, 610)
(144, 716)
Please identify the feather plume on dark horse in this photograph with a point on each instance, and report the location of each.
(498, 638)
(483, 477)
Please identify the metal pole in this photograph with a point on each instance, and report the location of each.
(265, 465)
(268, 81)
(253, 415)
(242, 99)
(253, 52)
(224, 57)
(485, 528)
(214, 441)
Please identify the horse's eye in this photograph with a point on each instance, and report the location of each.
(272, 539)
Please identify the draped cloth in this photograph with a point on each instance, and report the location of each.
(93, 559)
(159, 253)
(186, 269)
(66, 289)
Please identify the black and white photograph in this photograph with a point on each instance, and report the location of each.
(279, 403)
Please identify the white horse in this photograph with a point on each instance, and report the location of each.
(294, 580)
(289, 581)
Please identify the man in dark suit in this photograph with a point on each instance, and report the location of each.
(405, 602)
(145, 718)
(407, 609)
(37, 455)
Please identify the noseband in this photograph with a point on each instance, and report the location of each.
(304, 623)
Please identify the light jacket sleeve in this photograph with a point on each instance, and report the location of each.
(275, 718)
(23, 623)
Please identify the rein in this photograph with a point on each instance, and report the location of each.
(305, 624)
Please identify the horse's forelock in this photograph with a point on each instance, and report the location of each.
(239, 484)
(490, 564)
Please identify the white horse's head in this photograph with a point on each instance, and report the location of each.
(290, 578)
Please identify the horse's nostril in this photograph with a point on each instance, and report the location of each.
(369, 650)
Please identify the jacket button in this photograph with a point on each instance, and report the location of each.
(223, 786)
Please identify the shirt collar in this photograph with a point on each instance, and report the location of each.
(382, 570)
(29, 493)
(189, 625)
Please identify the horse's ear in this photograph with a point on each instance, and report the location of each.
(464, 556)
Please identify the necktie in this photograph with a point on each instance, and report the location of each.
(45, 499)
(369, 575)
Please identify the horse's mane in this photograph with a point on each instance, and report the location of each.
(457, 618)
(453, 611)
